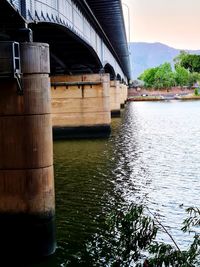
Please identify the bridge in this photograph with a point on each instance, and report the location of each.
(92, 32)
(82, 45)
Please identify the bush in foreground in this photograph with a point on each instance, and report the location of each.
(130, 240)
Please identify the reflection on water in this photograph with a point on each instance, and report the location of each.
(152, 157)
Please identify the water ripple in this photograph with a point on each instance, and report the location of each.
(152, 157)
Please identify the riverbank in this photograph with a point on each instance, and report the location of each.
(157, 98)
(161, 95)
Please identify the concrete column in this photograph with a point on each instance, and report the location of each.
(115, 98)
(122, 96)
(81, 106)
(125, 92)
(26, 159)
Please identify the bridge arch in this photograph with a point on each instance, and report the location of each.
(109, 69)
(88, 20)
(69, 53)
(119, 77)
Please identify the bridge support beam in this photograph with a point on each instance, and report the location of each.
(81, 106)
(26, 160)
(115, 98)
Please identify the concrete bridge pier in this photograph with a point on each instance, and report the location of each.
(123, 95)
(81, 106)
(115, 98)
(125, 88)
(26, 159)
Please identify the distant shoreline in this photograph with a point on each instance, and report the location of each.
(174, 93)
(146, 98)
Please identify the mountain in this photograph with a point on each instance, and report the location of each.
(148, 55)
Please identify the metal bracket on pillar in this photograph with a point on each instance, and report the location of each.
(20, 90)
(10, 65)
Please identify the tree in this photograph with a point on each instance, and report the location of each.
(131, 232)
(148, 77)
(179, 58)
(164, 77)
(187, 72)
(159, 77)
(193, 78)
(190, 62)
(181, 76)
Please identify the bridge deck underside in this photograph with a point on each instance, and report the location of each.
(10, 21)
(109, 14)
(72, 50)
(68, 54)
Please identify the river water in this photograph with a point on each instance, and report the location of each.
(151, 157)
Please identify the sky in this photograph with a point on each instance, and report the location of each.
(172, 22)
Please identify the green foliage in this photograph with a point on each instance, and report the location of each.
(188, 61)
(179, 58)
(181, 75)
(191, 62)
(127, 234)
(164, 77)
(192, 221)
(193, 78)
(186, 73)
(131, 233)
(196, 91)
(148, 77)
(159, 77)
